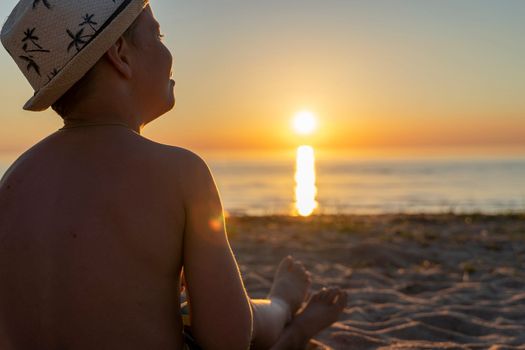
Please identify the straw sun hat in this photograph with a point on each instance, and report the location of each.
(56, 42)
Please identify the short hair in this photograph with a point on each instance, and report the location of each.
(63, 105)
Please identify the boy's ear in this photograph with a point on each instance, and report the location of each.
(119, 56)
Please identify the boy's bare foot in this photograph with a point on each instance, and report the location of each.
(323, 309)
(290, 284)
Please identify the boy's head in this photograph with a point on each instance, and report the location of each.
(69, 49)
(139, 61)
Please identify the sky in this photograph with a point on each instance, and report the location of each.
(379, 74)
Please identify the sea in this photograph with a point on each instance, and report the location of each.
(285, 183)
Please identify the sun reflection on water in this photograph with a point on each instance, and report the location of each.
(305, 188)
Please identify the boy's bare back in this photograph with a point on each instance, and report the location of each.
(91, 241)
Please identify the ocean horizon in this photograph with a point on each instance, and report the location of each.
(266, 184)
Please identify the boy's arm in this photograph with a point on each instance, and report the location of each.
(220, 310)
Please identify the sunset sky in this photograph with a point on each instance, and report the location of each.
(378, 74)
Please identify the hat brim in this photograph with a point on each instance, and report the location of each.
(83, 61)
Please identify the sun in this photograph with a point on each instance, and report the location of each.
(304, 123)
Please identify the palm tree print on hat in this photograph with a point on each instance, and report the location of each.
(52, 74)
(78, 40)
(29, 35)
(31, 63)
(31, 38)
(88, 21)
(45, 2)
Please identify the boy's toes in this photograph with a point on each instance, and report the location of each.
(332, 294)
(308, 276)
(342, 300)
(288, 262)
(297, 265)
(324, 294)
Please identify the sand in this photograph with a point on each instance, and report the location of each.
(413, 281)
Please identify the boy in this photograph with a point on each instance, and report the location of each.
(97, 222)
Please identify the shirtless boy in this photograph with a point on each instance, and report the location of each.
(98, 222)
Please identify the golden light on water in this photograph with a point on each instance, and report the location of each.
(305, 188)
(304, 123)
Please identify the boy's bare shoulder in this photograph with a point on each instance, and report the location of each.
(181, 158)
(187, 166)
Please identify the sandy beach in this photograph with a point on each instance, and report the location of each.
(414, 281)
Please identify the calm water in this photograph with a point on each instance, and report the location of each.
(267, 185)
(346, 185)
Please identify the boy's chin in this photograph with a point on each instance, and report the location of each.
(171, 104)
